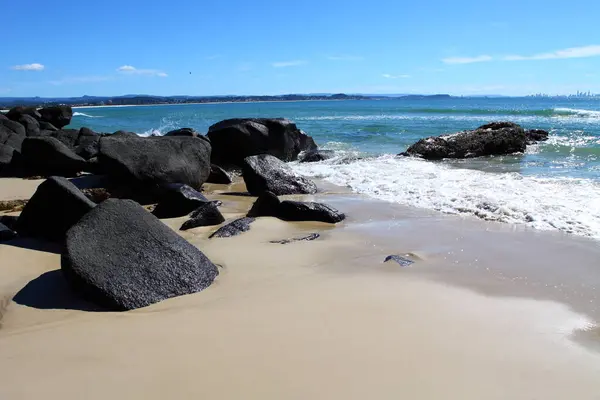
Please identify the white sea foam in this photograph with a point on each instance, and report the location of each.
(566, 204)
(80, 114)
(578, 112)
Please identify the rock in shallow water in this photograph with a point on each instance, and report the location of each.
(207, 214)
(121, 257)
(316, 156)
(233, 228)
(264, 173)
(310, 237)
(402, 261)
(268, 205)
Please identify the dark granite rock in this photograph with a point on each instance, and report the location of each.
(235, 139)
(233, 228)
(307, 238)
(268, 205)
(6, 158)
(10, 221)
(155, 160)
(178, 200)
(536, 135)
(68, 137)
(316, 155)
(183, 132)
(266, 173)
(6, 233)
(207, 214)
(54, 208)
(47, 126)
(402, 261)
(16, 112)
(125, 133)
(121, 257)
(48, 156)
(87, 144)
(31, 125)
(12, 133)
(218, 175)
(496, 138)
(58, 116)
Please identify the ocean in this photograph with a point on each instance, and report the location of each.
(555, 185)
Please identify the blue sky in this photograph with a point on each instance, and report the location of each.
(74, 48)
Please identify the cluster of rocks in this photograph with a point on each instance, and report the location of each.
(496, 138)
(116, 253)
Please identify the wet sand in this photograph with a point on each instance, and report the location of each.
(488, 311)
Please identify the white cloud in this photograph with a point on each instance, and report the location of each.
(131, 70)
(29, 67)
(466, 60)
(345, 58)
(389, 76)
(283, 64)
(572, 52)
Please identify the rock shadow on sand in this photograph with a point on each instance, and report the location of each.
(35, 244)
(50, 291)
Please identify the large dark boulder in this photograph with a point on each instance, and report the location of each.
(496, 138)
(121, 257)
(316, 155)
(125, 133)
(268, 205)
(58, 116)
(156, 160)
(47, 126)
(15, 113)
(12, 133)
(87, 143)
(48, 156)
(55, 206)
(182, 132)
(178, 200)
(207, 214)
(218, 175)
(68, 137)
(7, 154)
(31, 125)
(233, 228)
(235, 139)
(264, 173)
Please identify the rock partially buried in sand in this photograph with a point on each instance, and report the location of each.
(155, 160)
(307, 238)
(235, 139)
(264, 173)
(496, 138)
(268, 205)
(402, 261)
(218, 175)
(233, 228)
(207, 214)
(121, 257)
(55, 206)
(178, 200)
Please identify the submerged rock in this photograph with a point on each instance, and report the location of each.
(121, 257)
(264, 173)
(155, 160)
(233, 228)
(55, 206)
(178, 200)
(402, 261)
(207, 214)
(496, 138)
(235, 139)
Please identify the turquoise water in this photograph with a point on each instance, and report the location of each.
(555, 185)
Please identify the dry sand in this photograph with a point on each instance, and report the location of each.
(488, 311)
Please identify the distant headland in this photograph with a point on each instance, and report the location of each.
(8, 102)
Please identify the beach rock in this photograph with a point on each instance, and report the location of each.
(47, 126)
(2, 116)
(125, 133)
(58, 116)
(536, 135)
(48, 156)
(10, 221)
(15, 113)
(87, 144)
(6, 157)
(207, 214)
(68, 137)
(268, 205)
(218, 175)
(156, 160)
(402, 261)
(12, 133)
(183, 132)
(6, 234)
(56, 205)
(316, 155)
(121, 257)
(235, 139)
(233, 228)
(264, 173)
(307, 238)
(31, 125)
(178, 200)
(496, 138)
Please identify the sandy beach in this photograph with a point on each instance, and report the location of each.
(487, 311)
